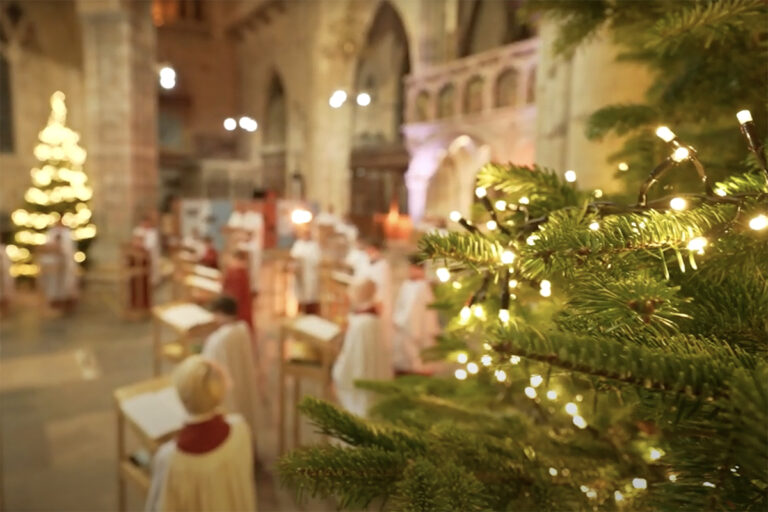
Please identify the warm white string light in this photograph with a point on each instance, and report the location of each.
(678, 204)
(443, 274)
(758, 222)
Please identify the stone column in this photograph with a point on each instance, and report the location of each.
(121, 118)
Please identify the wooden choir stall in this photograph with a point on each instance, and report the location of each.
(189, 322)
(308, 346)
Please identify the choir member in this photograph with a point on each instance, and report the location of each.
(138, 262)
(379, 271)
(327, 218)
(254, 246)
(7, 284)
(415, 323)
(306, 257)
(210, 257)
(194, 243)
(347, 228)
(151, 236)
(230, 345)
(58, 269)
(364, 354)
(209, 465)
(236, 284)
(357, 258)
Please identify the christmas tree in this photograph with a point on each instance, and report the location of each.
(606, 354)
(59, 191)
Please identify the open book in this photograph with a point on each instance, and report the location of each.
(319, 328)
(157, 413)
(185, 316)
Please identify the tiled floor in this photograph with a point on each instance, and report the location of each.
(57, 430)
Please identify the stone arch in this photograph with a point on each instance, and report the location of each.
(421, 107)
(275, 119)
(446, 101)
(505, 92)
(487, 24)
(473, 95)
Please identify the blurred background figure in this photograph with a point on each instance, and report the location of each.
(306, 256)
(58, 269)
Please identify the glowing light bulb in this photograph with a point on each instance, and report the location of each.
(623, 166)
(230, 124)
(594, 226)
(462, 357)
(300, 216)
(473, 368)
(720, 192)
(697, 244)
(501, 205)
(530, 392)
(618, 496)
(598, 193)
(513, 283)
(681, 154)
(665, 134)
(443, 274)
(501, 375)
(545, 284)
(486, 360)
(79, 256)
(639, 483)
(553, 471)
(552, 394)
(504, 315)
(478, 311)
(591, 494)
(545, 292)
(337, 99)
(708, 484)
(536, 380)
(570, 176)
(456, 285)
(571, 408)
(460, 374)
(672, 477)
(465, 314)
(758, 222)
(531, 240)
(514, 359)
(507, 257)
(481, 192)
(455, 216)
(491, 225)
(580, 422)
(678, 204)
(524, 200)
(744, 116)
(655, 453)
(363, 99)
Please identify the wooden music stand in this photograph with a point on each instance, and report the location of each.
(188, 321)
(201, 290)
(137, 286)
(307, 349)
(127, 469)
(334, 301)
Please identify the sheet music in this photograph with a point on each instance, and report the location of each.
(203, 283)
(157, 413)
(186, 316)
(210, 273)
(318, 327)
(341, 277)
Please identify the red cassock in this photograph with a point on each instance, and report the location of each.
(139, 267)
(237, 285)
(210, 258)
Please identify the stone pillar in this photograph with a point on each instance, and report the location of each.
(121, 117)
(567, 92)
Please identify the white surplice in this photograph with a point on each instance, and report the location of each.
(7, 285)
(307, 284)
(380, 273)
(219, 480)
(196, 245)
(364, 356)
(415, 325)
(58, 268)
(231, 347)
(151, 242)
(357, 260)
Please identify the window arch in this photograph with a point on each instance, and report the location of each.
(446, 101)
(275, 124)
(473, 95)
(506, 88)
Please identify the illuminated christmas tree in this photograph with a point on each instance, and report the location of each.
(59, 191)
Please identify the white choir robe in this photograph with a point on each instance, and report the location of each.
(195, 245)
(357, 260)
(58, 268)
(235, 220)
(307, 255)
(348, 230)
(151, 242)
(363, 356)
(253, 222)
(7, 284)
(381, 274)
(415, 325)
(231, 347)
(326, 219)
(219, 480)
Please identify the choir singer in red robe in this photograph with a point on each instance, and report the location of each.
(237, 285)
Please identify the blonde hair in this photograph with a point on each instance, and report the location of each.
(200, 383)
